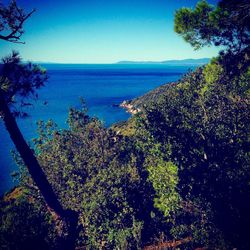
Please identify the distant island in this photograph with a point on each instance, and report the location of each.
(199, 61)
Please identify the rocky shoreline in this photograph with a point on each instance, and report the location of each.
(129, 107)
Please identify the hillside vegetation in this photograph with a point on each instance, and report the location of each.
(175, 176)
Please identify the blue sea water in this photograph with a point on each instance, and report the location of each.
(101, 86)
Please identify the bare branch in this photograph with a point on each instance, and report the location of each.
(19, 17)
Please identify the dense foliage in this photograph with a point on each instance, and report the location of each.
(24, 223)
(104, 178)
(179, 170)
(209, 145)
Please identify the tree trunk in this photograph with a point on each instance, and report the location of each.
(36, 172)
(29, 159)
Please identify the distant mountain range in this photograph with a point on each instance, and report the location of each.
(189, 61)
(199, 61)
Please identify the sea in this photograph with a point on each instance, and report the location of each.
(102, 86)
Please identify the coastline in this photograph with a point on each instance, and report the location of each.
(129, 107)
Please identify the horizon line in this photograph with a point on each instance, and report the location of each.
(120, 61)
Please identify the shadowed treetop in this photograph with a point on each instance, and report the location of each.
(226, 25)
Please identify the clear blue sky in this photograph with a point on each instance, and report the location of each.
(103, 31)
